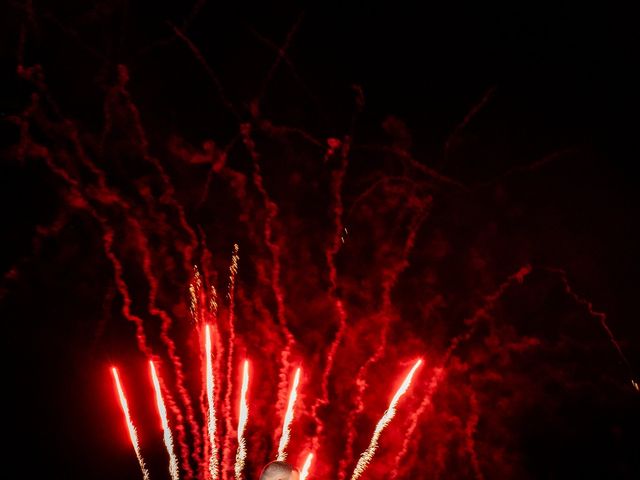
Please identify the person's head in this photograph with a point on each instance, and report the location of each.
(279, 471)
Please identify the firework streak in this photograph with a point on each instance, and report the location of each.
(304, 472)
(288, 418)
(243, 416)
(162, 411)
(226, 457)
(132, 429)
(367, 455)
(211, 414)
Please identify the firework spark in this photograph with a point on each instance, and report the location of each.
(211, 417)
(241, 454)
(367, 455)
(168, 438)
(288, 418)
(132, 429)
(304, 472)
(233, 271)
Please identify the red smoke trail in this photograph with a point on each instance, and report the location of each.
(272, 212)
(166, 322)
(602, 318)
(168, 196)
(78, 200)
(337, 179)
(390, 279)
(226, 456)
(106, 196)
(133, 435)
(42, 232)
(470, 430)
(451, 141)
(471, 324)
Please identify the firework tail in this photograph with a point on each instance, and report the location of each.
(367, 455)
(162, 412)
(133, 435)
(288, 418)
(243, 417)
(227, 455)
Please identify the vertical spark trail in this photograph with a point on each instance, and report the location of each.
(243, 417)
(391, 277)
(288, 418)
(226, 457)
(304, 471)
(132, 429)
(200, 316)
(367, 455)
(471, 323)
(195, 297)
(162, 411)
(211, 413)
(274, 247)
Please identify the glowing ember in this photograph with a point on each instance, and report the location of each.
(162, 411)
(288, 418)
(132, 429)
(211, 417)
(304, 472)
(367, 455)
(241, 454)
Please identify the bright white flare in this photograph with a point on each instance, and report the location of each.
(288, 418)
(367, 455)
(241, 454)
(162, 411)
(132, 429)
(211, 417)
(304, 472)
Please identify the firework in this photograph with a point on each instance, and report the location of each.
(211, 416)
(288, 418)
(304, 472)
(241, 454)
(367, 455)
(233, 270)
(162, 411)
(132, 429)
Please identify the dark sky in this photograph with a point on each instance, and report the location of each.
(541, 170)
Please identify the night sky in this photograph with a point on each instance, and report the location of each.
(450, 183)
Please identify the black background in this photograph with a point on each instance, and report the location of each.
(563, 78)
